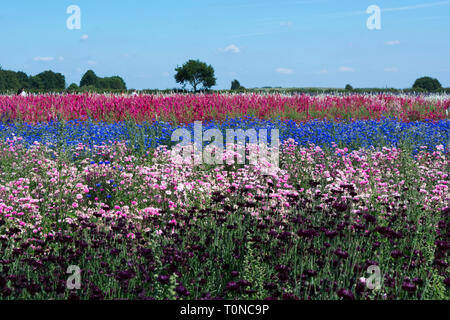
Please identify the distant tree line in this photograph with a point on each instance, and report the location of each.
(49, 81)
(198, 75)
(91, 80)
(44, 81)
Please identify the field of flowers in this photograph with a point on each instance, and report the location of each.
(178, 108)
(89, 181)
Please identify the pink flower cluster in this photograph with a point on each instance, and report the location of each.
(40, 189)
(187, 108)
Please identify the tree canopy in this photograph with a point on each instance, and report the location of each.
(44, 81)
(427, 83)
(195, 73)
(91, 79)
(49, 80)
(235, 85)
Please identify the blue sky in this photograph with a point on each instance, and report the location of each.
(288, 43)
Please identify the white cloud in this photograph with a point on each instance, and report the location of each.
(231, 48)
(92, 62)
(392, 43)
(284, 71)
(43, 59)
(346, 69)
(391, 69)
(84, 37)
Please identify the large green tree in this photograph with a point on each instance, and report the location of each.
(114, 83)
(9, 81)
(23, 79)
(195, 73)
(427, 83)
(89, 79)
(50, 81)
(235, 85)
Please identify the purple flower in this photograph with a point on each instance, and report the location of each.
(232, 286)
(289, 296)
(361, 285)
(281, 268)
(125, 275)
(310, 273)
(345, 294)
(331, 233)
(272, 233)
(244, 283)
(340, 206)
(2, 282)
(409, 286)
(235, 273)
(341, 253)
(163, 279)
(310, 233)
(369, 218)
(447, 282)
(270, 286)
(182, 290)
(396, 254)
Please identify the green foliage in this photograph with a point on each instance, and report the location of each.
(24, 80)
(427, 84)
(435, 289)
(256, 272)
(89, 79)
(73, 87)
(90, 88)
(9, 80)
(115, 83)
(50, 81)
(348, 87)
(195, 73)
(235, 85)
(44, 81)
